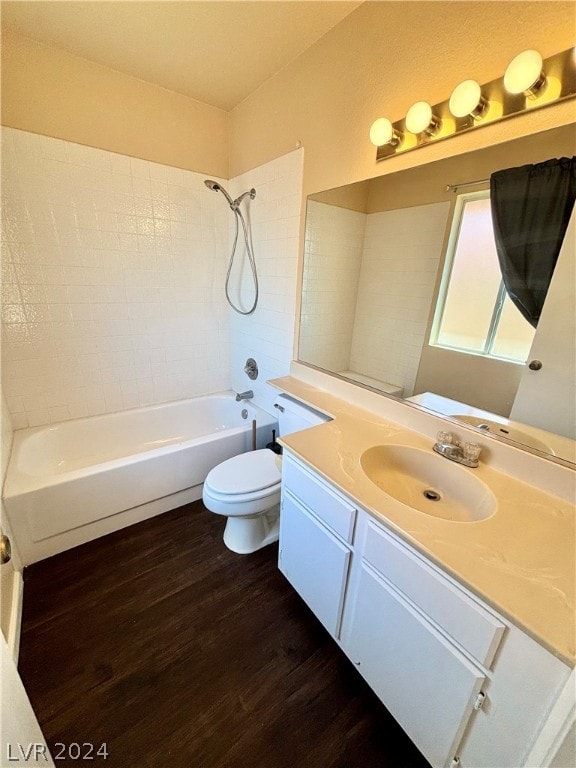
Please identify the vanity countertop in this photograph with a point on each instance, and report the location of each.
(521, 560)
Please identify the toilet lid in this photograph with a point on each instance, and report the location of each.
(252, 471)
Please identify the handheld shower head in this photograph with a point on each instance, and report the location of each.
(215, 187)
(238, 217)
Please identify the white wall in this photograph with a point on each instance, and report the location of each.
(333, 255)
(267, 334)
(401, 254)
(112, 275)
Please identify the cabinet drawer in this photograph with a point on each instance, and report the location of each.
(332, 509)
(474, 628)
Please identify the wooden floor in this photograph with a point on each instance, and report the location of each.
(174, 651)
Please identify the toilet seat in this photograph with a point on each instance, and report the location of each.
(238, 498)
(247, 484)
(247, 473)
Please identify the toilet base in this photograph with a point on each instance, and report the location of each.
(244, 535)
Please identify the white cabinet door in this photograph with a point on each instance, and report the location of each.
(22, 741)
(314, 562)
(426, 683)
(547, 398)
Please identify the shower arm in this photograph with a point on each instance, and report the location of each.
(251, 193)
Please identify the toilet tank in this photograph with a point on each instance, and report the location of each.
(293, 415)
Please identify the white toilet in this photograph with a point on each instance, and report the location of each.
(246, 488)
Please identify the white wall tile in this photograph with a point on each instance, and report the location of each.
(99, 265)
(114, 280)
(334, 236)
(390, 325)
(267, 335)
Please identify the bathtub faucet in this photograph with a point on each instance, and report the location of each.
(248, 395)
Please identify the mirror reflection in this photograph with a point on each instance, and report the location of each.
(403, 291)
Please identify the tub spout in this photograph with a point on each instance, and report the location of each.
(248, 395)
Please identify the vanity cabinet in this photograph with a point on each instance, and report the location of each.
(468, 687)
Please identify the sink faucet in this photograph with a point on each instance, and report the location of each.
(248, 395)
(450, 447)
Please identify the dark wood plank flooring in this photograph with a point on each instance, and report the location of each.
(178, 653)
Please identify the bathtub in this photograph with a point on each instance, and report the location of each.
(72, 482)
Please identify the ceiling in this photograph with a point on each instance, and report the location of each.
(216, 51)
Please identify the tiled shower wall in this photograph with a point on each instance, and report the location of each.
(113, 280)
(367, 289)
(112, 276)
(267, 334)
(333, 255)
(401, 254)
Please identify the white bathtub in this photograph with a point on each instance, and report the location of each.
(69, 483)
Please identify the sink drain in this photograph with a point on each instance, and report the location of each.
(431, 495)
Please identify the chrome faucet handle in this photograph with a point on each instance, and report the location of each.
(445, 438)
(451, 448)
(251, 368)
(471, 451)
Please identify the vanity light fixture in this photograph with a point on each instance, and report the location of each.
(524, 74)
(529, 83)
(421, 119)
(383, 132)
(467, 100)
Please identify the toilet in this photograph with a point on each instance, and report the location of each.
(246, 488)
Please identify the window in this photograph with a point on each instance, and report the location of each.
(474, 313)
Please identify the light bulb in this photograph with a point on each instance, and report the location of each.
(524, 74)
(382, 132)
(421, 119)
(467, 99)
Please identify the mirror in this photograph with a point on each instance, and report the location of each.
(374, 260)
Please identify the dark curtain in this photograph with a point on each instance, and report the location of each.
(531, 207)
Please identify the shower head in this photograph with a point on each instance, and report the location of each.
(215, 187)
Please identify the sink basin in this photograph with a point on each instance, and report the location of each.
(429, 483)
(512, 433)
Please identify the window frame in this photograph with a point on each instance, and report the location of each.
(449, 259)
